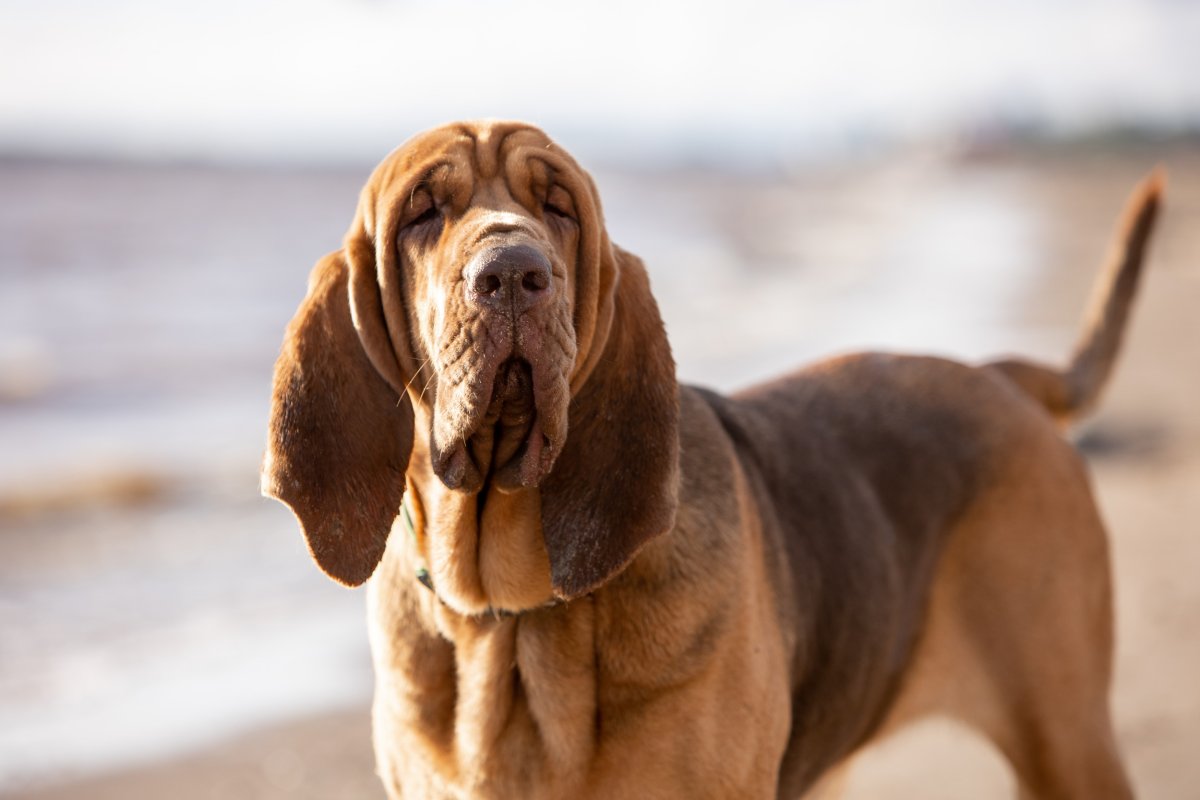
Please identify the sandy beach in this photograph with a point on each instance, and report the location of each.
(161, 632)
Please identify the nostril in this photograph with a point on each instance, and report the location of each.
(487, 283)
(535, 280)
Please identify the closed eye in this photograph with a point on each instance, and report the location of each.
(421, 215)
(558, 204)
(428, 215)
(550, 208)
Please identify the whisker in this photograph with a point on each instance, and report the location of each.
(408, 385)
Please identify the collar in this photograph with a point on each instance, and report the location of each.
(422, 571)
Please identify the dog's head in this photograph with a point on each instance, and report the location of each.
(478, 305)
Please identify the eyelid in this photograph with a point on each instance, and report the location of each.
(420, 204)
(559, 201)
(420, 216)
(423, 217)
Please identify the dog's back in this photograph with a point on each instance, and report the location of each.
(921, 503)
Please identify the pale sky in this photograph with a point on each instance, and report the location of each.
(350, 78)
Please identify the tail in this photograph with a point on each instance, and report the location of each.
(1071, 393)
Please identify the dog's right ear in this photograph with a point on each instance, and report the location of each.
(340, 434)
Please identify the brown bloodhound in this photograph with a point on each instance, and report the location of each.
(592, 582)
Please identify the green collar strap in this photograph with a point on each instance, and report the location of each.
(422, 572)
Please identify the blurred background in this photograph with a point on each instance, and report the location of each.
(801, 179)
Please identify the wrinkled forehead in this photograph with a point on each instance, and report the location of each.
(459, 161)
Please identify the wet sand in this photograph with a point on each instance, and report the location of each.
(829, 261)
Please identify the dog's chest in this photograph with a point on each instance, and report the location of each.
(498, 707)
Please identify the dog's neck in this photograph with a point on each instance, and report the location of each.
(483, 552)
(510, 674)
(416, 539)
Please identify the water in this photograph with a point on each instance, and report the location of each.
(755, 278)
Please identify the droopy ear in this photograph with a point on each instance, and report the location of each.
(340, 436)
(615, 485)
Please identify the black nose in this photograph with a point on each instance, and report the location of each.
(516, 277)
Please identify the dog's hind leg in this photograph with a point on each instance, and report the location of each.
(1019, 635)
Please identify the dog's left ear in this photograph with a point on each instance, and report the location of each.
(615, 485)
(340, 434)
